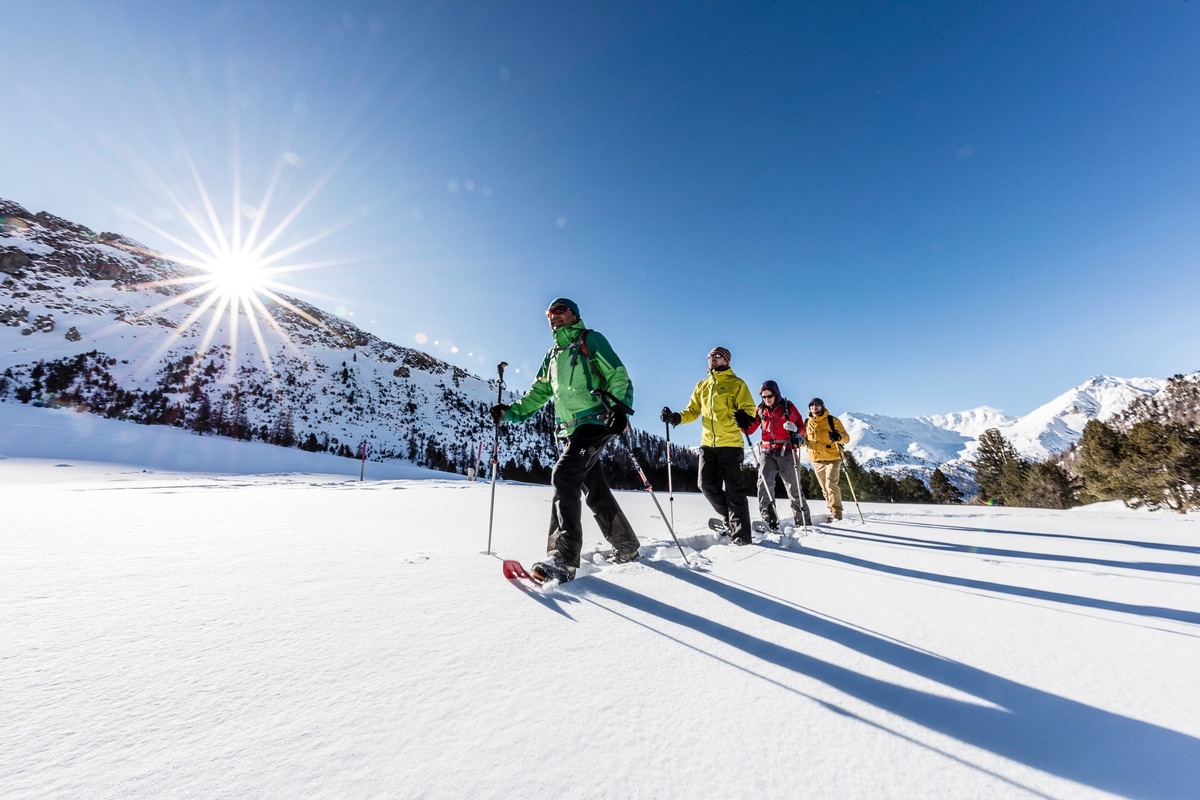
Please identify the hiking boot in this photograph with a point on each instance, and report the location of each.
(625, 556)
(552, 568)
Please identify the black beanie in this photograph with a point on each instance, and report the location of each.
(562, 301)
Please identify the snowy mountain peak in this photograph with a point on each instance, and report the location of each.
(1055, 426)
(99, 323)
(971, 423)
(921, 444)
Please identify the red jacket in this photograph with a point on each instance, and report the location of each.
(771, 418)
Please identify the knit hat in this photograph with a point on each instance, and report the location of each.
(769, 386)
(720, 351)
(562, 301)
(816, 401)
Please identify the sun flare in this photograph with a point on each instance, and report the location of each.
(240, 275)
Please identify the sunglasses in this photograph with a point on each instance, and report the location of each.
(557, 311)
(767, 396)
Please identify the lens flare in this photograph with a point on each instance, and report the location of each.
(234, 271)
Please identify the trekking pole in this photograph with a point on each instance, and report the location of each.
(842, 458)
(646, 485)
(800, 483)
(610, 400)
(770, 490)
(495, 455)
(670, 483)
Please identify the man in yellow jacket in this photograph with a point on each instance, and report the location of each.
(725, 407)
(825, 436)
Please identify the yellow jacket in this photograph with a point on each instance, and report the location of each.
(816, 433)
(713, 402)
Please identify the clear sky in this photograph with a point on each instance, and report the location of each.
(906, 208)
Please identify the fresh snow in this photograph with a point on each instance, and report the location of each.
(191, 616)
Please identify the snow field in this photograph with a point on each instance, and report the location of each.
(308, 635)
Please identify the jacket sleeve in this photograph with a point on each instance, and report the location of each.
(745, 400)
(692, 411)
(795, 416)
(538, 395)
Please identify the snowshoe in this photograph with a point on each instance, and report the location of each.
(552, 568)
(624, 556)
(719, 525)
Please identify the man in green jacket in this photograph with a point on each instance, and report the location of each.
(723, 403)
(582, 374)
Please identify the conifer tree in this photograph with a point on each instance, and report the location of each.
(1161, 467)
(944, 492)
(994, 452)
(913, 490)
(1099, 460)
(1045, 484)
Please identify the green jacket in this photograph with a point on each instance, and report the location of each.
(714, 400)
(816, 432)
(569, 375)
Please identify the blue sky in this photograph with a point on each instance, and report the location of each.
(906, 208)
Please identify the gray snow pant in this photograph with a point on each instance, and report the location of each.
(783, 463)
(578, 471)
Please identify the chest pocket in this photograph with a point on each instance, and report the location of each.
(724, 397)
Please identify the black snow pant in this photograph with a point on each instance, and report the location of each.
(578, 471)
(722, 483)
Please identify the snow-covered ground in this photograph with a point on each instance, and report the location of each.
(263, 628)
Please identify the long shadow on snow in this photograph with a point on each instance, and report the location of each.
(1045, 731)
(933, 544)
(1174, 548)
(1178, 615)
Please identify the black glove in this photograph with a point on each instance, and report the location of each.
(742, 419)
(669, 416)
(616, 422)
(497, 412)
(834, 436)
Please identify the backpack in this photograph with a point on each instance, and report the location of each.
(607, 399)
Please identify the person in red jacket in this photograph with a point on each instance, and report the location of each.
(782, 432)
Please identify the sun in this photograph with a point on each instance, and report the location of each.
(240, 276)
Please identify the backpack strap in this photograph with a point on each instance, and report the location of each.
(589, 362)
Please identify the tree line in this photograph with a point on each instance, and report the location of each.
(1147, 456)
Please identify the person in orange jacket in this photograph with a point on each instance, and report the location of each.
(825, 436)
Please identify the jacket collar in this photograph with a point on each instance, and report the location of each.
(568, 333)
